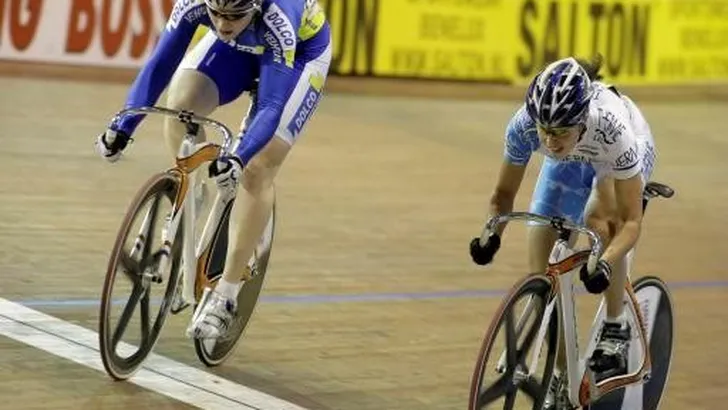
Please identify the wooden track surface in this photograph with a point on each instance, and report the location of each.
(365, 305)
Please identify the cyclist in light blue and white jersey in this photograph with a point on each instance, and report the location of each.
(599, 153)
(277, 50)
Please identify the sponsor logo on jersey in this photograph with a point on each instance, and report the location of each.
(282, 29)
(602, 137)
(257, 50)
(180, 10)
(196, 15)
(275, 46)
(608, 127)
(308, 106)
(627, 159)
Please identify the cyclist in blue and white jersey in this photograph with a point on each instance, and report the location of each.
(277, 50)
(599, 153)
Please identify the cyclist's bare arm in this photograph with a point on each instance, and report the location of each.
(509, 181)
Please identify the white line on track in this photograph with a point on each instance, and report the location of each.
(160, 374)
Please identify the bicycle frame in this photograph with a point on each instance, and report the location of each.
(564, 263)
(190, 157)
(582, 388)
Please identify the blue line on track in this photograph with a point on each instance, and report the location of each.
(361, 297)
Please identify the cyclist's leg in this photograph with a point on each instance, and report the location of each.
(193, 91)
(544, 201)
(210, 75)
(251, 212)
(609, 358)
(562, 189)
(190, 90)
(232, 72)
(254, 202)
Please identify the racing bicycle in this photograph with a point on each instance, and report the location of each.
(161, 264)
(518, 354)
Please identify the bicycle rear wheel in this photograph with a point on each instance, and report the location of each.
(133, 257)
(655, 302)
(213, 352)
(521, 315)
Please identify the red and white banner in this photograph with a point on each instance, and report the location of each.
(113, 33)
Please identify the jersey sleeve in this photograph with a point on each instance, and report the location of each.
(624, 151)
(520, 139)
(157, 72)
(278, 75)
(627, 162)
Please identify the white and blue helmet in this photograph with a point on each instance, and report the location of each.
(559, 95)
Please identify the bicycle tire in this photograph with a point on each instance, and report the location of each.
(214, 352)
(162, 184)
(537, 284)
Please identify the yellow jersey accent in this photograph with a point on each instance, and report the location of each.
(312, 21)
(317, 81)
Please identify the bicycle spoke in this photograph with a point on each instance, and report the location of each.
(510, 399)
(522, 353)
(494, 392)
(144, 311)
(532, 388)
(511, 342)
(136, 294)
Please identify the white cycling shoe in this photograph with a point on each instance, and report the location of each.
(213, 317)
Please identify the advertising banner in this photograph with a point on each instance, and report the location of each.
(508, 41)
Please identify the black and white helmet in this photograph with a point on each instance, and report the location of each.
(559, 95)
(234, 6)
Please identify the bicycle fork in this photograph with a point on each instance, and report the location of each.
(140, 242)
(141, 239)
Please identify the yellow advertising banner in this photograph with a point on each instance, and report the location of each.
(641, 41)
(690, 42)
(444, 39)
(620, 30)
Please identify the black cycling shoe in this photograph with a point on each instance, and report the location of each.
(611, 354)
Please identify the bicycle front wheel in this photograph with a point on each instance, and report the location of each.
(134, 285)
(519, 330)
